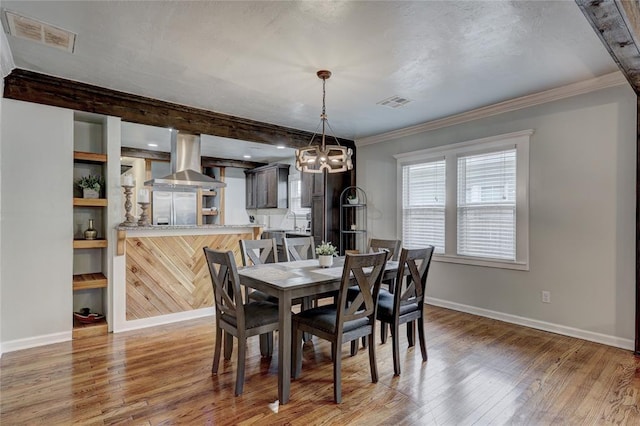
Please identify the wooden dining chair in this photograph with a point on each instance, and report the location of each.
(257, 252)
(299, 248)
(406, 304)
(346, 320)
(236, 318)
(393, 247)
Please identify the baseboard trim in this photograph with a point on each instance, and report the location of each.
(591, 336)
(164, 319)
(32, 342)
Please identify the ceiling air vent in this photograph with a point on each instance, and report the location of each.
(40, 32)
(394, 102)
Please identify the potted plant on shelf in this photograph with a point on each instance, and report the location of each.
(325, 252)
(90, 185)
(352, 199)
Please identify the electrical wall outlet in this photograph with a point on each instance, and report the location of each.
(546, 296)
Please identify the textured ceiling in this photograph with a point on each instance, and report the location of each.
(258, 59)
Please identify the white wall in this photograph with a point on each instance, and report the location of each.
(36, 177)
(582, 217)
(235, 212)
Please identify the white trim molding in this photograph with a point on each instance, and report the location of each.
(164, 319)
(591, 336)
(32, 342)
(581, 87)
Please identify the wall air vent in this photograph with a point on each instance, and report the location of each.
(394, 102)
(40, 32)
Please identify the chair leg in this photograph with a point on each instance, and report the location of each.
(337, 366)
(228, 346)
(372, 361)
(383, 332)
(242, 346)
(395, 343)
(217, 350)
(421, 337)
(307, 303)
(296, 351)
(354, 347)
(266, 344)
(411, 333)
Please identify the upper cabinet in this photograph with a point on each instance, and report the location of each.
(312, 186)
(267, 187)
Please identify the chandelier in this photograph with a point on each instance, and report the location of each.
(317, 158)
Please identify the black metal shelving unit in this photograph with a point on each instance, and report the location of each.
(353, 219)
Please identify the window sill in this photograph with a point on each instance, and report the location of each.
(475, 261)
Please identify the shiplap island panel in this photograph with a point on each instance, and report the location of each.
(166, 272)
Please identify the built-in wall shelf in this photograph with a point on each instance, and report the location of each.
(209, 193)
(89, 157)
(90, 202)
(87, 281)
(87, 244)
(81, 330)
(209, 212)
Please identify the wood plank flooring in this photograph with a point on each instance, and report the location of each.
(480, 371)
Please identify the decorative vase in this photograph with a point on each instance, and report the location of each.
(352, 200)
(90, 233)
(325, 261)
(89, 193)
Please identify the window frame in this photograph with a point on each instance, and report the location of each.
(519, 140)
(293, 178)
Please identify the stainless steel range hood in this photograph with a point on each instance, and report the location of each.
(185, 161)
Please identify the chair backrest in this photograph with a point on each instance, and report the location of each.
(226, 285)
(392, 246)
(299, 248)
(413, 268)
(257, 252)
(364, 271)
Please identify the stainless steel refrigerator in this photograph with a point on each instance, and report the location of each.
(174, 208)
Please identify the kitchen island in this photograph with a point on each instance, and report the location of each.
(160, 271)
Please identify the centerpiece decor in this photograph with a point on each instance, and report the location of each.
(90, 185)
(325, 252)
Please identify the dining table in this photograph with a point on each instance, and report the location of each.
(288, 281)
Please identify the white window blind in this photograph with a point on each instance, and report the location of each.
(423, 205)
(487, 205)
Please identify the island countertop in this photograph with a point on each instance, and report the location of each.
(168, 227)
(250, 231)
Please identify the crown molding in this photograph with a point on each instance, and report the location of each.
(608, 80)
(6, 58)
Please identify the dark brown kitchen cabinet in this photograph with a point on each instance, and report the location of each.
(312, 186)
(250, 193)
(267, 187)
(324, 192)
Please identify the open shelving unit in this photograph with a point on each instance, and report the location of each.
(89, 281)
(353, 220)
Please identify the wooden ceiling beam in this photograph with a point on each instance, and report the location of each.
(617, 24)
(34, 87)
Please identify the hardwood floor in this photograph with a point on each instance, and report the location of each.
(480, 371)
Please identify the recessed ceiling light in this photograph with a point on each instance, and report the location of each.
(280, 146)
(246, 156)
(152, 144)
